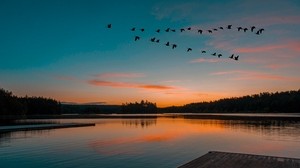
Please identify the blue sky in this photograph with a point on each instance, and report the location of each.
(63, 50)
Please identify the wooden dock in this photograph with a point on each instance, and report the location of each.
(216, 159)
(42, 127)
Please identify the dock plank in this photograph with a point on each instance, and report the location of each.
(216, 159)
(42, 127)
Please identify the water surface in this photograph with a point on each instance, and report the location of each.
(141, 142)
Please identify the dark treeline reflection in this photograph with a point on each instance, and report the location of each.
(139, 122)
(6, 137)
(278, 128)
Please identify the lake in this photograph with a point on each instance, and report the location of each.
(146, 142)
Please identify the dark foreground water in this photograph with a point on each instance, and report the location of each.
(160, 142)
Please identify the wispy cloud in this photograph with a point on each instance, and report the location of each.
(120, 75)
(281, 65)
(253, 75)
(129, 85)
(210, 60)
(292, 45)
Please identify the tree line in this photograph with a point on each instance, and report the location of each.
(279, 102)
(144, 107)
(12, 106)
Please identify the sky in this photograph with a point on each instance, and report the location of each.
(64, 50)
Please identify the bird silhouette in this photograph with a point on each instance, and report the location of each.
(229, 26)
(174, 46)
(203, 51)
(189, 49)
(200, 31)
(221, 28)
(215, 29)
(152, 39)
(214, 54)
(109, 26)
(136, 38)
(239, 28)
(245, 29)
(209, 31)
(252, 28)
(158, 30)
(231, 57)
(236, 58)
(182, 30)
(167, 30)
(142, 29)
(133, 29)
(261, 30)
(173, 30)
(189, 28)
(157, 41)
(219, 55)
(257, 32)
(167, 44)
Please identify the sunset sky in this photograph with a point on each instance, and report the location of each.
(63, 49)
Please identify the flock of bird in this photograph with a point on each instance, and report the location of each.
(200, 31)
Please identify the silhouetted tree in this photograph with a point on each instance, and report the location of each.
(144, 107)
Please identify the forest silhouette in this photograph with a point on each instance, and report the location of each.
(13, 107)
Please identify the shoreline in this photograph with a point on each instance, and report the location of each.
(225, 116)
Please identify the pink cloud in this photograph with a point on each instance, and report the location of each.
(120, 75)
(129, 85)
(273, 20)
(253, 75)
(200, 60)
(292, 45)
(282, 65)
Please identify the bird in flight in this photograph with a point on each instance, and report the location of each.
(182, 30)
(229, 26)
(209, 31)
(142, 29)
(252, 28)
(245, 29)
(200, 31)
(157, 41)
(231, 57)
(133, 29)
(167, 44)
(158, 30)
(215, 29)
(167, 30)
(136, 38)
(221, 28)
(174, 46)
(236, 58)
(203, 51)
(189, 49)
(109, 26)
(261, 30)
(257, 32)
(214, 54)
(152, 39)
(173, 30)
(219, 55)
(189, 28)
(239, 28)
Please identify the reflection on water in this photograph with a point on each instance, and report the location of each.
(273, 129)
(139, 122)
(161, 142)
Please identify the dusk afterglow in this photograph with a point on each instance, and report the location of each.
(64, 50)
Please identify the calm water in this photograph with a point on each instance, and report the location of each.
(161, 142)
